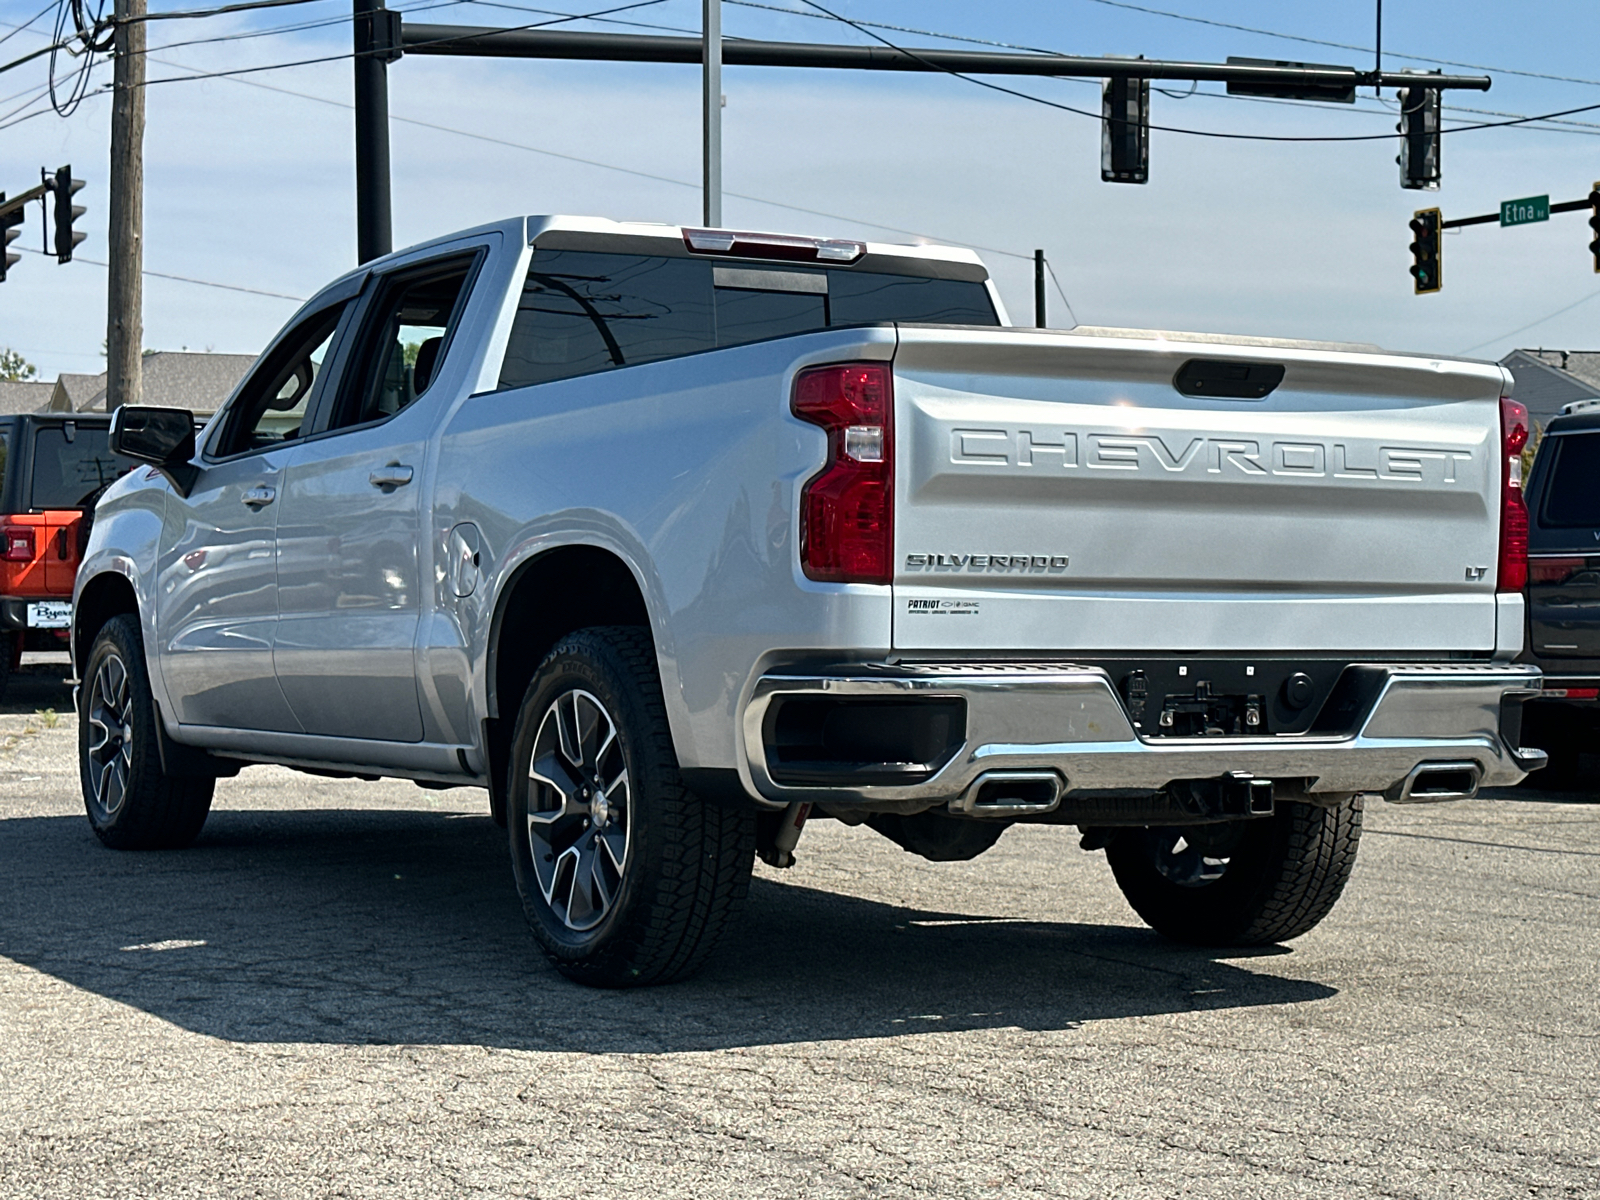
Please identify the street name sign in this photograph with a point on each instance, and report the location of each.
(1525, 211)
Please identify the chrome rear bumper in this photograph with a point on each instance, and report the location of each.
(1023, 717)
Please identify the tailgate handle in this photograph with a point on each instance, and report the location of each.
(61, 542)
(1226, 379)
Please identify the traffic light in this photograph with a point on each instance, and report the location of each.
(9, 222)
(1594, 224)
(1421, 109)
(1125, 130)
(1427, 252)
(65, 187)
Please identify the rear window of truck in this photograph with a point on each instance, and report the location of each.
(69, 471)
(582, 311)
(1572, 496)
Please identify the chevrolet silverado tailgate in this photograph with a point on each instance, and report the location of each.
(1058, 492)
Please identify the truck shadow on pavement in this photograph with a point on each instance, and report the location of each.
(380, 927)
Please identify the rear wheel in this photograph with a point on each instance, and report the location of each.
(1242, 883)
(626, 877)
(132, 803)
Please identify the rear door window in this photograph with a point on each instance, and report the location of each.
(1572, 497)
(583, 312)
(71, 464)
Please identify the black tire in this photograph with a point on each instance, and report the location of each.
(132, 804)
(1246, 883)
(8, 652)
(626, 877)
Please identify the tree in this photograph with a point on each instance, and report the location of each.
(14, 368)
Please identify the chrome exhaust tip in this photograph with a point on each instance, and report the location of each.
(1430, 783)
(1010, 794)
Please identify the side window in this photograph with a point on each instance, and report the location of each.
(1572, 495)
(582, 312)
(403, 342)
(271, 408)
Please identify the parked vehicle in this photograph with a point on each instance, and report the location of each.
(52, 470)
(1564, 593)
(671, 537)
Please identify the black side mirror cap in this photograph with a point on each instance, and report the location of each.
(162, 437)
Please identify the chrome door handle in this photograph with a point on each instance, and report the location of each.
(391, 476)
(260, 496)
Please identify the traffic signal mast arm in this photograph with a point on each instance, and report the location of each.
(1427, 226)
(1494, 217)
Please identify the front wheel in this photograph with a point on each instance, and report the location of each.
(1242, 883)
(132, 803)
(626, 877)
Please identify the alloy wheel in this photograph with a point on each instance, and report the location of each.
(110, 736)
(579, 800)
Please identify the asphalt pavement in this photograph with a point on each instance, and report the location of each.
(332, 994)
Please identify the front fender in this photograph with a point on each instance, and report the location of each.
(125, 541)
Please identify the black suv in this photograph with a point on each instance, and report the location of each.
(1563, 497)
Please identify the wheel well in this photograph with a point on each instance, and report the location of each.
(550, 597)
(103, 597)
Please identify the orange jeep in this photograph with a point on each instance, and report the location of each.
(52, 470)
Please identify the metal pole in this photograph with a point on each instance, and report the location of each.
(711, 56)
(374, 228)
(1038, 289)
(1377, 62)
(125, 287)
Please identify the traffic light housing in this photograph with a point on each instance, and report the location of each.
(1125, 130)
(1421, 110)
(9, 223)
(1427, 251)
(1594, 224)
(65, 187)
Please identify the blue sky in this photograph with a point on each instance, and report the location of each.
(255, 187)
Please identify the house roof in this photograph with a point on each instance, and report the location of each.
(24, 396)
(171, 378)
(1544, 385)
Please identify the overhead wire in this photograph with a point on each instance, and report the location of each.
(1531, 324)
(1310, 41)
(1206, 133)
(978, 41)
(232, 287)
(16, 29)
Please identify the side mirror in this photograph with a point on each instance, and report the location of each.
(162, 437)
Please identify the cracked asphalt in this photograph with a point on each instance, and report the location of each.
(332, 994)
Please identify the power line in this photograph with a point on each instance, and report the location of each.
(1529, 325)
(1290, 37)
(1208, 133)
(231, 287)
(190, 14)
(977, 41)
(16, 29)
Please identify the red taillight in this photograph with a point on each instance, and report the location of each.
(1572, 693)
(19, 544)
(1513, 576)
(847, 509)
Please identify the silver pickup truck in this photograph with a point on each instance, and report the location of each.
(671, 538)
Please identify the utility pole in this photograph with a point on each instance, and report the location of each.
(711, 37)
(125, 288)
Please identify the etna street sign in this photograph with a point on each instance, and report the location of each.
(1525, 211)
